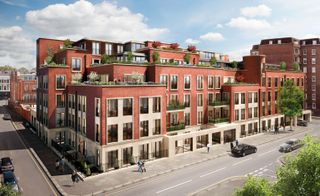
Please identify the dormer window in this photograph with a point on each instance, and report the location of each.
(270, 42)
(314, 42)
(279, 41)
(95, 48)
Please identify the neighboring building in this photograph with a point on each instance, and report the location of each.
(145, 110)
(23, 88)
(4, 84)
(305, 52)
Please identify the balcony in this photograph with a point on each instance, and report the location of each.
(218, 120)
(219, 103)
(175, 106)
(176, 127)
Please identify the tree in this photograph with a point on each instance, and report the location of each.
(296, 66)
(283, 66)
(105, 59)
(255, 187)
(93, 76)
(234, 64)
(67, 44)
(7, 191)
(129, 57)
(7, 68)
(301, 174)
(23, 70)
(186, 58)
(291, 100)
(155, 57)
(49, 58)
(213, 61)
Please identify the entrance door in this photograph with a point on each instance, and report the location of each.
(229, 135)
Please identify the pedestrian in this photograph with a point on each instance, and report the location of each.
(237, 142)
(208, 147)
(139, 166)
(73, 176)
(57, 164)
(143, 168)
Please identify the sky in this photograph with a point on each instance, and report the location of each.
(225, 26)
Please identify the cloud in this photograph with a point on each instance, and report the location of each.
(16, 48)
(14, 3)
(211, 36)
(104, 20)
(237, 54)
(250, 24)
(192, 41)
(219, 26)
(260, 10)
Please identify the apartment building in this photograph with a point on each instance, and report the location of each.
(292, 50)
(4, 84)
(139, 105)
(23, 88)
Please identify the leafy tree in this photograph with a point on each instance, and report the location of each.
(23, 70)
(213, 61)
(234, 64)
(129, 57)
(67, 44)
(105, 59)
(296, 66)
(283, 65)
(7, 68)
(155, 57)
(291, 100)
(93, 76)
(255, 187)
(301, 174)
(50, 54)
(7, 191)
(186, 58)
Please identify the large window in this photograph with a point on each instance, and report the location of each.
(164, 80)
(127, 107)
(76, 64)
(120, 48)
(187, 84)
(217, 83)
(210, 82)
(97, 107)
(97, 133)
(144, 128)
(112, 107)
(95, 48)
(249, 97)
(112, 133)
(243, 98)
(236, 98)
(236, 115)
(60, 82)
(60, 101)
(157, 127)
(187, 100)
(127, 131)
(144, 105)
(156, 104)
(187, 119)
(243, 114)
(199, 100)
(109, 49)
(174, 82)
(199, 117)
(199, 82)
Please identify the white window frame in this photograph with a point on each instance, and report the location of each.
(200, 85)
(184, 82)
(172, 75)
(76, 58)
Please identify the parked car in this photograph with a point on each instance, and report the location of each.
(302, 123)
(243, 150)
(290, 145)
(6, 164)
(9, 179)
(6, 117)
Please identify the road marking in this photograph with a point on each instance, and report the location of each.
(182, 183)
(241, 161)
(212, 172)
(266, 153)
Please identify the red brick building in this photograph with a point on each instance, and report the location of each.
(303, 52)
(116, 103)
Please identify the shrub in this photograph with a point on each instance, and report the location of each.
(129, 57)
(105, 59)
(67, 44)
(174, 46)
(234, 64)
(155, 57)
(93, 76)
(192, 48)
(296, 66)
(186, 58)
(213, 61)
(283, 66)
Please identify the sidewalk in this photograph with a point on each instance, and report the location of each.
(120, 178)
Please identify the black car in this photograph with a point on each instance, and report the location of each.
(302, 123)
(243, 150)
(6, 164)
(9, 179)
(6, 117)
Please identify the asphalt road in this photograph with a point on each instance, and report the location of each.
(190, 179)
(31, 179)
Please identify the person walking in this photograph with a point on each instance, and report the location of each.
(143, 168)
(73, 176)
(139, 166)
(208, 147)
(57, 164)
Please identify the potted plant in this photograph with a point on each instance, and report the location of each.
(132, 162)
(155, 57)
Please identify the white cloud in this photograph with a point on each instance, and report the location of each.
(104, 20)
(211, 36)
(260, 10)
(18, 3)
(192, 41)
(16, 48)
(237, 54)
(219, 26)
(251, 24)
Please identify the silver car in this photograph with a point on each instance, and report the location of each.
(290, 145)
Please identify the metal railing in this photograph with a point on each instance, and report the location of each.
(218, 120)
(175, 127)
(219, 102)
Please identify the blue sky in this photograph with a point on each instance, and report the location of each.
(226, 26)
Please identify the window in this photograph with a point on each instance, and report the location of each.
(199, 117)
(156, 104)
(313, 87)
(256, 97)
(210, 82)
(217, 82)
(187, 82)
(95, 48)
(305, 70)
(263, 81)
(249, 97)
(187, 119)
(187, 100)
(313, 52)
(199, 82)
(157, 127)
(60, 101)
(270, 42)
(276, 81)
(276, 95)
(199, 100)
(236, 115)
(97, 107)
(314, 42)
(313, 61)
(243, 114)
(210, 98)
(127, 131)
(120, 48)
(313, 78)
(97, 133)
(144, 128)
(304, 51)
(256, 112)
(314, 106)
(313, 69)
(250, 113)
(113, 133)
(174, 82)
(279, 41)
(108, 49)
(236, 98)
(60, 82)
(263, 96)
(113, 107)
(76, 64)
(313, 96)
(243, 98)
(269, 82)
(304, 60)
(144, 105)
(127, 107)
(164, 80)
(269, 95)
(269, 109)
(96, 61)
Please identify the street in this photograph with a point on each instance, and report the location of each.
(190, 179)
(31, 179)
